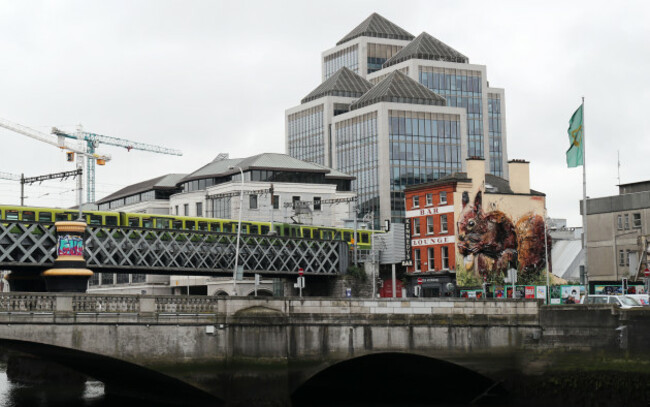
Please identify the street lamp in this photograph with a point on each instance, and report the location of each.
(241, 205)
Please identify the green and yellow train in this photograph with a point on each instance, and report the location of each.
(153, 221)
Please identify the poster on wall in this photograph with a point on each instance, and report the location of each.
(556, 294)
(499, 292)
(570, 294)
(541, 292)
(530, 292)
(608, 289)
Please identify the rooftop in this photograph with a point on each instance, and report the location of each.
(399, 88)
(344, 82)
(265, 161)
(164, 182)
(427, 47)
(493, 184)
(378, 27)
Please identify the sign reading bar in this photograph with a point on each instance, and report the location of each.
(430, 211)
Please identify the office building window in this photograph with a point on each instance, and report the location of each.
(294, 201)
(199, 209)
(418, 261)
(317, 205)
(186, 209)
(416, 226)
(176, 209)
(619, 222)
(637, 220)
(445, 257)
(443, 198)
(429, 199)
(276, 201)
(621, 258)
(416, 201)
(252, 202)
(429, 225)
(627, 221)
(431, 259)
(443, 223)
(627, 257)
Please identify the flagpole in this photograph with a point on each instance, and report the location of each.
(584, 200)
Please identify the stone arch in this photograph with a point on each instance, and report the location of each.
(393, 378)
(126, 377)
(221, 293)
(261, 292)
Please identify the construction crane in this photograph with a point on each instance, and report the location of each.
(61, 143)
(94, 140)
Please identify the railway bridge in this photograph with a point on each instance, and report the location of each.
(29, 248)
(291, 351)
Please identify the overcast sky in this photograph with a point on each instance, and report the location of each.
(216, 76)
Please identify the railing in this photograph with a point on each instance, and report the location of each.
(142, 250)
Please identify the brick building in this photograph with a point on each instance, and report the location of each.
(433, 210)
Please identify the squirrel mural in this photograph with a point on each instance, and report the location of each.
(491, 243)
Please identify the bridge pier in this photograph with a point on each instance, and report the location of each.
(69, 273)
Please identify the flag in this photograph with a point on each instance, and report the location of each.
(576, 138)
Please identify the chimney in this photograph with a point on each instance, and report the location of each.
(519, 176)
(476, 171)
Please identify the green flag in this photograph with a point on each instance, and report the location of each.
(576, 138)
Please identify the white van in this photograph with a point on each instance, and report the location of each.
(623, 301)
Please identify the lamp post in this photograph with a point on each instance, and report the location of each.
(548, 284)
(241, 205)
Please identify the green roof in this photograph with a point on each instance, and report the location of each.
(399, 88)
(427, 47)
(378, 27)
(344, 82)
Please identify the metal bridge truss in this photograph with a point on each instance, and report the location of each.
(167, 251)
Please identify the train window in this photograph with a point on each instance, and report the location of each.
(279, 230)
(227, 227)
(327, 235)
(293, 232)
(265, 230)
(44, 217)
(347, 236)
(61, 216)
(11, 215)
(177, 224)
(95, 220)
(111, 221)
(364, 237)
(161, 223)
(190, 224)
(203, 225)
(29, 216)
(134, 222)
(215, 226)
(147, 223)
(337, 235)
(254, 229)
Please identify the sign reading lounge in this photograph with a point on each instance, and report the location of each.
(433, 240)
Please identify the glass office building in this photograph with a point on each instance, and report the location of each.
(416, 111)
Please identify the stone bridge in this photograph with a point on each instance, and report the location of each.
(291, 351)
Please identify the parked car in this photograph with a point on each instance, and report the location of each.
(641, 299)
(623, 301)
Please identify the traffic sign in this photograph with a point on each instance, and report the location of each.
(647, 272)
(420, 280)
(301, 271)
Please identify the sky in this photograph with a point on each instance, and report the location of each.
(210, 77)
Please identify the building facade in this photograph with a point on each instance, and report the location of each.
(618, 229)
(473, 223)
(373, 118)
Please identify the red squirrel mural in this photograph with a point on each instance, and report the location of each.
(491, 243)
